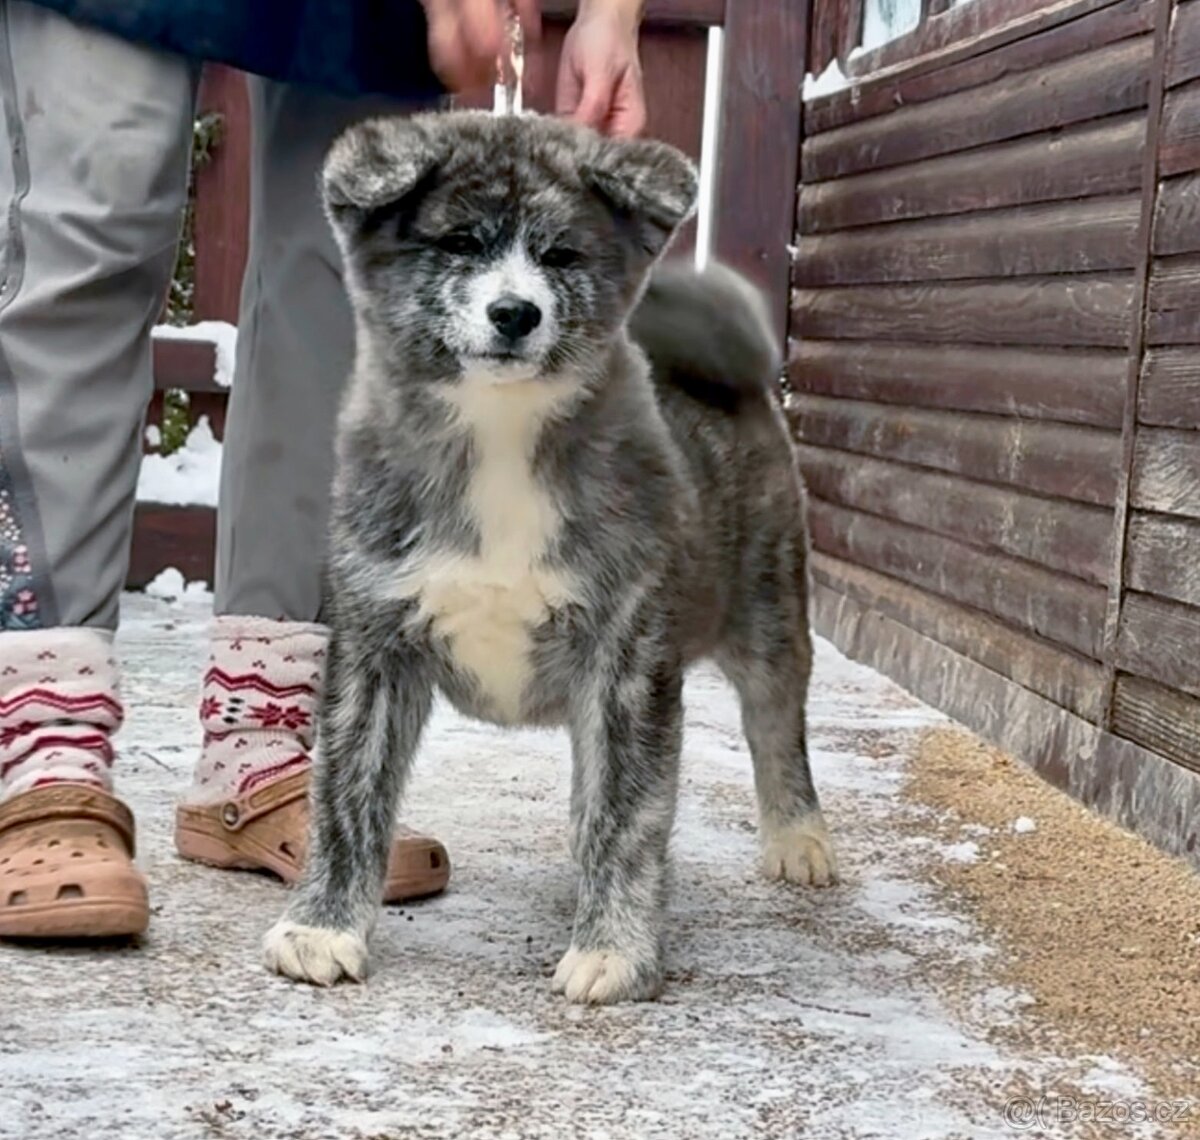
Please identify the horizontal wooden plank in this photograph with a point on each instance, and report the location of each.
(1166, 472)
(1060, 460)
(1067, 679)
(971, 65)
(184, 537)
(1177, 215)
(186, 364)
(1179, 146)
(1072, 237)
(1183, 54)
(1158, 718)
(1082, 161)
(1082, 385)
(1104, 82)
(1162, 557)
(1173, 301)
(1081, 309)
(1061, 610)
(1169, 393)
(1160, 641)
(1072, 538)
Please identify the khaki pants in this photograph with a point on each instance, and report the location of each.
(94, 146)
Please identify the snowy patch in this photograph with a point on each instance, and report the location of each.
(830, 81)
(153, 435)
(965, 852)
(1024, 825)
(171, 587)
(190, 475)
(220, 334)
(886, 20)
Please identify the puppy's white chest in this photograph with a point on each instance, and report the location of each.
(485, 606)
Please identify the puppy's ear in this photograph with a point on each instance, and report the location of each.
(648, 183)
(375, 165)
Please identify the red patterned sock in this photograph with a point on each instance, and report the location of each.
(259, 705)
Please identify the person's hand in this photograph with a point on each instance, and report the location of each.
(599, 76)
(466, 36)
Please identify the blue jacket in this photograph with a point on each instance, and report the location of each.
(349, 47)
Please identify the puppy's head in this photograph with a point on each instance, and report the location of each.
(515, 245)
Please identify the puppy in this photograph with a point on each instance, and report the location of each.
(542, 524)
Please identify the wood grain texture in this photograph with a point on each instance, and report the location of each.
(1166, 472)
(222, 210)
(1107, 81)
(189, 365)
(1069, 30)
(1169, 395)
(1071, 237)
(1058, 460)
(1174, 301)
(184, 537)
(1177, 215)
(1085, 309)
(1061, 610)
(1160, 641)
(1163, 557)
(1183, 59)
(1072, 538)
(1180, 150)
(1069, 680)
(1158, 718)
(1079, 162)
(1082, 385)
(755, 197)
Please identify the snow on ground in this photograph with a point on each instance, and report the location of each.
(192, 474)
(787, 1013)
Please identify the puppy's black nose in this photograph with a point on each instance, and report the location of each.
(513, 317)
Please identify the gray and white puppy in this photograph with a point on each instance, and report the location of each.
(532, 520)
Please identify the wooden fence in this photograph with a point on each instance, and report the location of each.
(996, 359)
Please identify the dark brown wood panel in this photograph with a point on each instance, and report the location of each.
(1061, 610)
(1177, 215)
(1091, 309)
(1082, 161)
(1069, 680)
(1083, 385)
(1166, 473)
(1183, 59)
(1059, 460)
(755, 194)
(189, 365)
(1159, 719)
(163, 536)
(1107, 81)
(1072, 538)
(1160, 641)
(1180, 149)
(928, 79)
(1163, 557)
(1071, 237)
(1174, 301)
(1169, 395)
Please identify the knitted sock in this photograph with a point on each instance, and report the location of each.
(259, 703)
(59, 708)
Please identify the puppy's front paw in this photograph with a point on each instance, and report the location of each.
(800, 852)
(603, 977)
(314, 953)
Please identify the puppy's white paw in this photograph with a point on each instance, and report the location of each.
(602, 977)
(315, 954)
(800, 852)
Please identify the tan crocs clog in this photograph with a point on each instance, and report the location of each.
(267, 830)
(66, 865)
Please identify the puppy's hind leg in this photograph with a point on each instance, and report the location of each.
(376, 706)
(768, 658)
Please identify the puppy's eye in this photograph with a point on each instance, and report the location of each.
(561, 257)
(460, 244)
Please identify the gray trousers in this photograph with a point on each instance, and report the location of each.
(93, 180)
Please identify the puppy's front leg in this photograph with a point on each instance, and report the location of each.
(626, 725)
(376, 706)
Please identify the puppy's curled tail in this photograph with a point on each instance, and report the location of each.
(707, 332)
